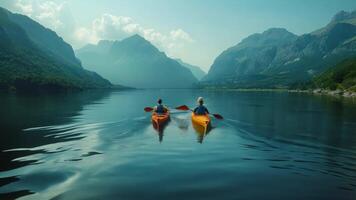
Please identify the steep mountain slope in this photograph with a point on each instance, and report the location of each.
(277, 58)
(342, 76)
(197, 72)
(249, 58)
(46, 39)
(25, 65)
(137, 63)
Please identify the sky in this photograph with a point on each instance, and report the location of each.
(196, 31)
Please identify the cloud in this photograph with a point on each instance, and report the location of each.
(47, 12)
(58, 17)
(179, 34)
(26, 8)
(112, 27)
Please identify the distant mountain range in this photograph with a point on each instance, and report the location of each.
(34, 57)
(277, 58)
(137, 63)
(197, 71)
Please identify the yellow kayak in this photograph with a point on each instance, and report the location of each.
(201, 120)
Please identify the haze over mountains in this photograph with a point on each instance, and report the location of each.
(278, 58)
(135, 62)
(34, 57)
(197, 72)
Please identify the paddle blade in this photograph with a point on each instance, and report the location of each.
(148, 109)
(183, 107)
(217, 116)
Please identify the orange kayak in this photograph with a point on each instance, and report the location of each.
(201, 120)
(160, 119)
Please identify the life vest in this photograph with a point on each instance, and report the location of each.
(160, 109)
(200, 110)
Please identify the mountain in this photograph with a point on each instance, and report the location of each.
(344, 17)
(342, 76)
(277, 58)
(46, 39)
(33, 57)
(197, 72)
(137, 63)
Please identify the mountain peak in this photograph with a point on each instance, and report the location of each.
(136, 37)
(135, 44)
(136, 62)
(343, 15)
(105, 42)
(271, 36)
(276, 30)
(277, 33)
(134, 40)
(274, 33)
(101, 46)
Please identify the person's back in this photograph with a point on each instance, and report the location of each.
(201, 109)
(160, 109)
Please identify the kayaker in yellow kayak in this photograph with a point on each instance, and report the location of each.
(160, 109)
(201, 109)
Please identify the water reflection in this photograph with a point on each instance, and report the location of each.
(20, 111)
(160, 128)
(181, 121)
(104, 147)
(201, 131)
(183, 124)
(293, 116)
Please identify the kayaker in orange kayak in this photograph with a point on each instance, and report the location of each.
(160, 116)
(201, 109)
(160, 109)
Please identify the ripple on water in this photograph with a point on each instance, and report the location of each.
(73, 142)
(301, 156)
(128, 151)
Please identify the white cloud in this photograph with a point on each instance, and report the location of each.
(58, 17)
(111, 27)
(26, 8)
(84, 35)
(46, 12)
(131, 28)
(179, 34)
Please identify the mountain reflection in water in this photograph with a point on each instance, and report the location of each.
(101, 145)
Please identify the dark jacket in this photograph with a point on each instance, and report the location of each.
(160, 109)
(201, 110)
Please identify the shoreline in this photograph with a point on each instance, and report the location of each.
(335, 93)
(319, 91)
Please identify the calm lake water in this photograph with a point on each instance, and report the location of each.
(102, 145)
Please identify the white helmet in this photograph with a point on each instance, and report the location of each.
(200, 99)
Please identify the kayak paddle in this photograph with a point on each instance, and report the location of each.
(184, 107)
(148, 109)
